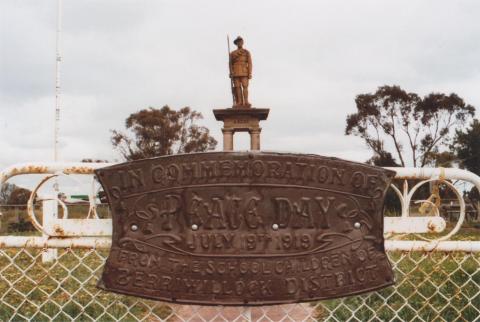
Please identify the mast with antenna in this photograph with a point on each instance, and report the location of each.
(58, 92)
(57, 80)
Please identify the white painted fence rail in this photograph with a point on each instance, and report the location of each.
(65, 227)
(105, 243)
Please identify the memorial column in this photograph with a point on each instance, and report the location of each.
(227, 139)
(255, 139)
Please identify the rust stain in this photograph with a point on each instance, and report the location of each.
(432, 226)
(53, 238)
(410, 177)
(30, 169)
(59, 232)
(42, 169)
(78, 170)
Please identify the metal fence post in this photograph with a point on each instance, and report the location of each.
(49, 211)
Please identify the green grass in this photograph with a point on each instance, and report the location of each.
(430, 286)
(14, 215)
(64, 290)
(446, 282)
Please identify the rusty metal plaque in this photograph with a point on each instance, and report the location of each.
(245, 228)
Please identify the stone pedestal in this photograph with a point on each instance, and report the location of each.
(241, 120)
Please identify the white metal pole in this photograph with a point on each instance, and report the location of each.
(57, 79)
(50, 208)
(49, 211)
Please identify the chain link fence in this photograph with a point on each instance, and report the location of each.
(442, 284)
(430, 286)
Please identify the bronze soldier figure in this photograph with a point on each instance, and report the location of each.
(240, 73)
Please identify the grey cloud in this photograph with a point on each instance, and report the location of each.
(311, 59)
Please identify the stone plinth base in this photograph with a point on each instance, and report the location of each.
(241, 120)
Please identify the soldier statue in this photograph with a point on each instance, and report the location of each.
(240, 73)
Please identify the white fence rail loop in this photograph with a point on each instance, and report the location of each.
(423, 224)
(53, 226)
(437, 278)
(93, 226)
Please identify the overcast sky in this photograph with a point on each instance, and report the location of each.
(310, 60)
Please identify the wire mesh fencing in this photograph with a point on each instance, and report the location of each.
(430, 286)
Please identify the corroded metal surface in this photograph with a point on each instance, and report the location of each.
(49, 168)
(245, 228)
